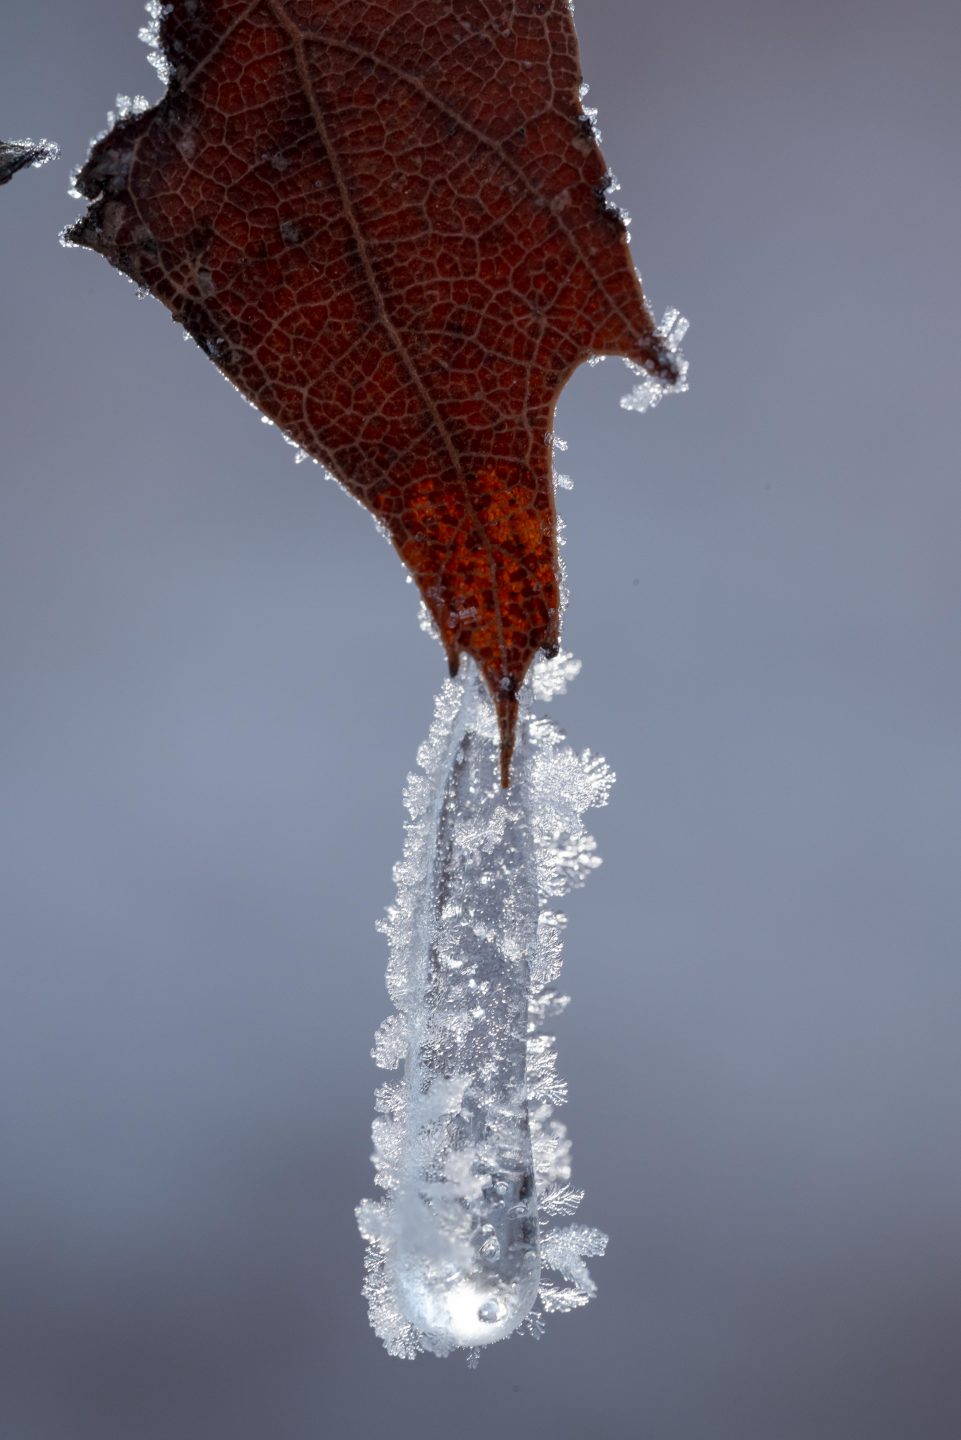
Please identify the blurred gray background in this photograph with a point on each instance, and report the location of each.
(214, 685)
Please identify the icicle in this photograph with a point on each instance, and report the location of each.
(474, 1165)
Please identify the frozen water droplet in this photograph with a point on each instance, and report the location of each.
(466, 1141)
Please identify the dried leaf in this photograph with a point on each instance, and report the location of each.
(387, 222)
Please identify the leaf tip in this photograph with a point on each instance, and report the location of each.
(505, 702)
(18, 154)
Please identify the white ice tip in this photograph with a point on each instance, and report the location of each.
(650, 391)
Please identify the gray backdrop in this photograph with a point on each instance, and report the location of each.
(214, 685)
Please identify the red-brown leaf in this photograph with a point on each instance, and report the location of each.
(385, 221)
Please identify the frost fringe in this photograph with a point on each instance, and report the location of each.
(564, 786)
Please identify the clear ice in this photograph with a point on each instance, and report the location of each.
(465, 1245)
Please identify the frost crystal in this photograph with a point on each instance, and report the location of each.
(17, 154)
(150, 35)
(650, 392)
(474, 1166)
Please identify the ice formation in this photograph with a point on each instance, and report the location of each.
(468, 1242)
(649, 391)
(17, 154)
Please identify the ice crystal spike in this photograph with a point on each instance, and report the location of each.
(474, 1165)
(468, 1272)
(652, 388)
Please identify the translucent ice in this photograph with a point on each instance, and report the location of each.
(474, 1166)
